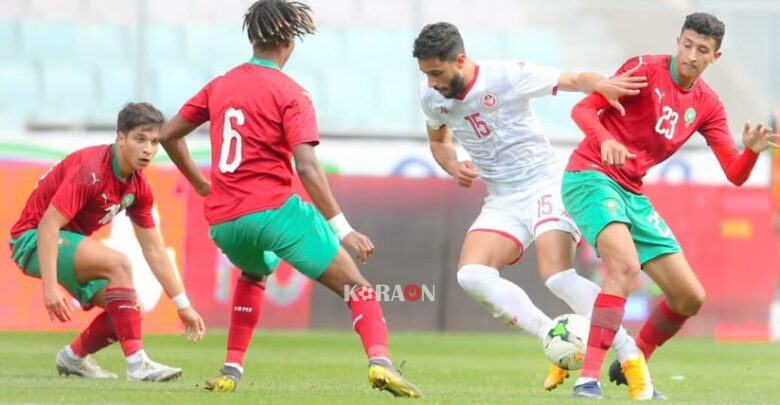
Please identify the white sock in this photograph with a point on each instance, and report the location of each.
(583, 380)
(236, 366)
(71, 355)
(580, 294)
(505, 300)
(135, 359)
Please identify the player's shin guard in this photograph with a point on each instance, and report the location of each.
(369, 322)
(122, 306)
(244, 317)
(605, 321)
(505, 300)
(99, 334)
(662, 324)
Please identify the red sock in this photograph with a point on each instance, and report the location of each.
(99, 334)
(369, 323)
(243, 319)
(604, 323)
(122, 306)
(662, 324)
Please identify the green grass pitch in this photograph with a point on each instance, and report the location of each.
(328, 367)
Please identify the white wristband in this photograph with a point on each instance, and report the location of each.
(181, 301)
(340, 225)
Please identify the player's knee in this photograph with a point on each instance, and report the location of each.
(626, 271)
(472, 277)
(120, 270)
(690, 303)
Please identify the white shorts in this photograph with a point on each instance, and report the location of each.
(525, 215)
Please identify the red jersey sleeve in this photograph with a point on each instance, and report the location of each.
(196, 109)
(635, 62)
(75, 191)
(299, 120)
(586, 113)
(141, 211)
(715, 127)
(716, 131)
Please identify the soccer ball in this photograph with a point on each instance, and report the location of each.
(566, 340)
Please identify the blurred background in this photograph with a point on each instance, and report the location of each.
(67, 67)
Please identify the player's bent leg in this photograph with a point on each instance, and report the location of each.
(244, 316)
(95, 261)
(483, 253)
(75, 359)
(555, 250)
(683, 297)
(620, 256)
(343, 278)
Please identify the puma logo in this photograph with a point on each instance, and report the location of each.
(659, 94)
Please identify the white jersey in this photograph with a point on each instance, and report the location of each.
(495, 124)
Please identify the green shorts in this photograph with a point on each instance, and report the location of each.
(594, 201)
(295, 232)
(25, 254)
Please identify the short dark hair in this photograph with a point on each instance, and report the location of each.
(707, 25)
(136, 114)
(268, 23)
(440, 40)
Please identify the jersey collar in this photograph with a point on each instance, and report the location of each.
(675, 75)
(115, 163)
(466, 90)
(264, 62)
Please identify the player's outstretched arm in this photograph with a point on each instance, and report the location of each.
(48, 235)
(612, 89)
(156, 256)
(316, 184)
(443, 150)
(172, 140)
(738, 166)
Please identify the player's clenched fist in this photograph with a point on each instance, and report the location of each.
(360, 244)
(465, 173)
(614, 153)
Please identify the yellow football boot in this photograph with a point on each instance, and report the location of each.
(640, 385)
(383, 376)
(226, 381)
(555, 377)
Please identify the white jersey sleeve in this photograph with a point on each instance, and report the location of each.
(432, 117)
(531, 80)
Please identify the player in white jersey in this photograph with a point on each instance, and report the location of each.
(486, 108)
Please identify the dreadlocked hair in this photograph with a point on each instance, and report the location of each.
(268, 23)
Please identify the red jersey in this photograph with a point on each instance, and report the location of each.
(658, 121)
(258, 114)
(86, 189)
